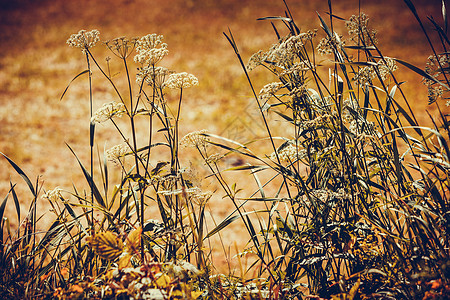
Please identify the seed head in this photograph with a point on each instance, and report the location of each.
(150, 49)
(115, 153)
(108, 111)
(181, 80)
(84, 39)
(359, 31)
(195, 139)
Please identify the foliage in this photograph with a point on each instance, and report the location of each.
(352, 193)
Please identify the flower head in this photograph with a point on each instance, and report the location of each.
(154, 76)
(330, 44)
(122, 47)
(84, 39)
(195, 139)
(359, 31)
(115, 153)
(269, 90)
(150, 49)
(181, 80)
(53, 195)
(108, 111)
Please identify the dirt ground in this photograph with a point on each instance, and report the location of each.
(36, 65)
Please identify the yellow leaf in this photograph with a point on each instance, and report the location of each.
(134, 241)
(107, 245)
(195, 295)
(163, 281)
(124, 261)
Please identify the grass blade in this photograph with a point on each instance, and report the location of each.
(21, 173)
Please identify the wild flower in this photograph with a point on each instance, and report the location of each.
(153, 76)
(435, 67)
(116, 153)
(289, 152)
(195, 139)
(181, 80)
(108, 111)
(364, 76)
(296, 69)
(279, 56)
(269, 90)
(213, 158)
(328, 45)
(179, 191)
(121, 47)
(84, 39)
(256, 60)
(201, 198)
(358, 127)
(386, 67)
(53, 195)
(150, 50)
(359, 32)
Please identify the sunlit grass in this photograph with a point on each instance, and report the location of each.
(296, 190)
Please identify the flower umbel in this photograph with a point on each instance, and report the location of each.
(53, 195)
(84, 39)
(195, 139)
(181, 80)
(115, 153)
(150, 49)
(359, 31)
(108, 111)
(122, 47)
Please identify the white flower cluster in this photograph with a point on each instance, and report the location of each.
(195, 139)
(289, 153)
(150, 49)
(53, 195)
(115, 153)
(108, 111)
(154, 76)
(84, 39)
(181, 80)
(269, 90)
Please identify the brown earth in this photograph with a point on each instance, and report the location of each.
(36, 65)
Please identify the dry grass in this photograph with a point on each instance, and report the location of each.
(36, 65)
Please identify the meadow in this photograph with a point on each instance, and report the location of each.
(300, 156)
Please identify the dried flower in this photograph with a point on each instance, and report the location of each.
(269, 90)
(213, 158)
(364, 76)
(256, 60)
(108, 111)
(84, 39)
(289, 152)
(360, 127)
(53, 195)
(283, 54)
(359, 31)
(201, 198)
(436, 67)
(115, 153)
(181, 80)
(154, 76)
(386, 67)
(329, 45)
(150, 49)
(195, 139)
(121, 46)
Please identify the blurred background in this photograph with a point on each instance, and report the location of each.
(36, 65)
